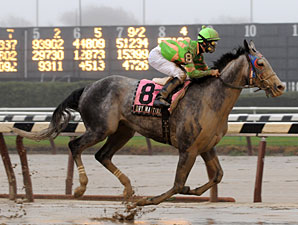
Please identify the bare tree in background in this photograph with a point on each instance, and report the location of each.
(99, 15)
(13, 21)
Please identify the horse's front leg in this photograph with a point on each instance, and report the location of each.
(186, 161)
(215, 172)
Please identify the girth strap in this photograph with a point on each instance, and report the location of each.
(165, 119)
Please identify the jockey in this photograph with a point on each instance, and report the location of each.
(182, 59)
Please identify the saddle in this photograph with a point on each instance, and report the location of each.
(146, 92)
(144, 96)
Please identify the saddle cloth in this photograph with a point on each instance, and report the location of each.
(145, 95)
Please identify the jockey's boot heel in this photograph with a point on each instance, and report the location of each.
(161, 98)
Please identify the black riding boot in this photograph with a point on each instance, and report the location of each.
(161, 97)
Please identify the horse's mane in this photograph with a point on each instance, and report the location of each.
(221, 63)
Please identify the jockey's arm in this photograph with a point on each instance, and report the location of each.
(192, 72)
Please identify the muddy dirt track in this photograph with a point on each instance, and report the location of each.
(152, 175)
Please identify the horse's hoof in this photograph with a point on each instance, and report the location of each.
(79, 191)
(143, 201)
(185, 190)
(131, 206)
(127, 194)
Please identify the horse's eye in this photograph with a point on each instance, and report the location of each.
(260, 62)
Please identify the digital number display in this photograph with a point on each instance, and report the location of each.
(133, 50)
(90, 52)
(8, 53)
(77, 53)
(183, 31)
(48, 53)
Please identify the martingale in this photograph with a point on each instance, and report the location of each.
(145, 95)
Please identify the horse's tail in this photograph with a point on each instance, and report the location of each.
(59, 121)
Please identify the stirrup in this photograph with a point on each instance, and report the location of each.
(161, 103)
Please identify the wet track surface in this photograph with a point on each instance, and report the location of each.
(152, 175)
(86, 212)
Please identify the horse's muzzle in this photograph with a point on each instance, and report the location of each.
(277, 89)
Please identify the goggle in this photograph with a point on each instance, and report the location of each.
(213, 43)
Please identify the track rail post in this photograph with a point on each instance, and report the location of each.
(249, 146)
(149, 146)
(69, 176)
(213, 190)
(54, 149)
(8, 168)
(259, 173)
(214, 194)
(25, 169)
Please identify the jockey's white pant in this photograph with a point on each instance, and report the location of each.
(158, 62)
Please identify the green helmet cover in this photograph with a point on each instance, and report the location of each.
(209, 34)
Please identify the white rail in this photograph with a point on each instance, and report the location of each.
(239, 114)
(256, 110)
(246, 109)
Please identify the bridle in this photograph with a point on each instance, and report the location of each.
(255, 71)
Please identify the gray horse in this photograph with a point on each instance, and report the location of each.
(196, 125)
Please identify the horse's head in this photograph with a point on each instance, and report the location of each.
(262, 74)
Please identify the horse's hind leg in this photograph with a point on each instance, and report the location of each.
(77, 146)
(215, 172)
(112, 145)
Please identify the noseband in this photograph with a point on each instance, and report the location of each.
(255, 71)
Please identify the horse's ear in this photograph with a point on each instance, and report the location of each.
(246, 46)
(252, 46)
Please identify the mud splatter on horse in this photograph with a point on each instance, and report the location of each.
(196, 125)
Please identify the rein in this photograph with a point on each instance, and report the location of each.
(235, 86)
